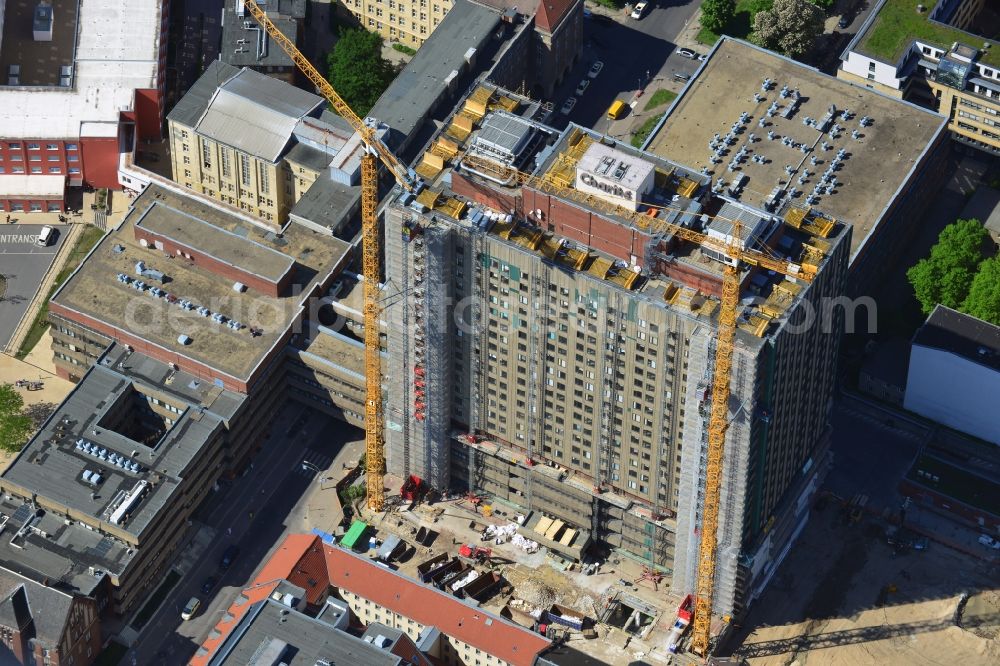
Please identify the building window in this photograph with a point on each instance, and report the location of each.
(52, 158)
(32, 146)
(206, 154)
(73, 158)
(54, 169)
(14, 146)
(35, 207)
(245, 169)
(74, 169)
(265, 181)
(17, 169)
(51, 146)
(36, 169)
(70, 146)
(35, 158)
(224, 156)
(54, 207)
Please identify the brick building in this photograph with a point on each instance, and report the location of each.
(73, 97)
(40, 625)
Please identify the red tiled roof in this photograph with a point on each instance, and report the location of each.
(298, 560)
(302, 557)
(428, 606)
(550, 13)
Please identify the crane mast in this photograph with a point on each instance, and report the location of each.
(371, 250)
(371, 260)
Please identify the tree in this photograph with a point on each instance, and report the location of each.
(755, 7)
(983, 300)
(825, 5)
(945, 276)
(716, 14)
(358, 72)
(15, 427)
(790, 27)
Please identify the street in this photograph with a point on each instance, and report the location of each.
(621, 44)
(275, 492)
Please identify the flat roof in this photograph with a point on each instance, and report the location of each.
(869, 178)
(896, 24)
(54, 463)
(252, 47)
(327, 203)
(94, 291)
(608, 162)
(40, 61)
(338, 350)
(117, 51)
(961, 334)
(222, 245)
(415, 91)
(61, 559)
(271, 632)
(31, 185)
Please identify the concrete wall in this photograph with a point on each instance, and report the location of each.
(953, 391)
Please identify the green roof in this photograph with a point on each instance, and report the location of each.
(898, 24)
(358, 529)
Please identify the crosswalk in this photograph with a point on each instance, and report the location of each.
(314, 459)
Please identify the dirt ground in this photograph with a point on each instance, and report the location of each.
(863, 603)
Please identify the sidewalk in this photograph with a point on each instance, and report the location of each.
(321, 507)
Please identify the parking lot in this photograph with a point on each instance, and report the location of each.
(637, 55)
(23, 264)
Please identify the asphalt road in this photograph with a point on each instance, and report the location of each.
(23, 265)
(634, 53)
(273, 490)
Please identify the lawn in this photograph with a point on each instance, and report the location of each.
(88, 239)
(659, 98)
(154, 601)
(739, 27)
(640, 135)
(898, 24)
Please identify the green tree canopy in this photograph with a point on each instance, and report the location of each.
(15, 427)
(946, 275)
(983, 300)
(358, 72)
(790, 27)
(716, 14)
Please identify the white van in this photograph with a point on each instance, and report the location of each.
(46, 236)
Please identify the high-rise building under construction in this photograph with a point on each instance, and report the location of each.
(554, 352)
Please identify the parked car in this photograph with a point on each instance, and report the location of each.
(687, 53)
(229, 556)
(568, 106)
(209, 584)
(190, 608)
(595, 69)
(582, 88)
(587, 13)
(640, 10)
(843, 22)
(702, 57)
(682, 77)
(617, 109)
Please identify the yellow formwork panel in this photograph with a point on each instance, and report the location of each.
(476, 104)
(600, 267)
(445, 148)
(508, 104)
(428, 198)
(427, 171)
(687, 187)
(796, 216)
(451, 207)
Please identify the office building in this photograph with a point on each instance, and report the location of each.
(869, 161)
(557, 356)
(330, 588)
(70, 90)
(941, 61)
(954, 373)
(99, 500)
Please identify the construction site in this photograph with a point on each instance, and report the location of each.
(560, 308)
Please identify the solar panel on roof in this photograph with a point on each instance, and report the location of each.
(22, 514)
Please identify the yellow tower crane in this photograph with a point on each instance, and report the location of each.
(719, 418)
(370, 248)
